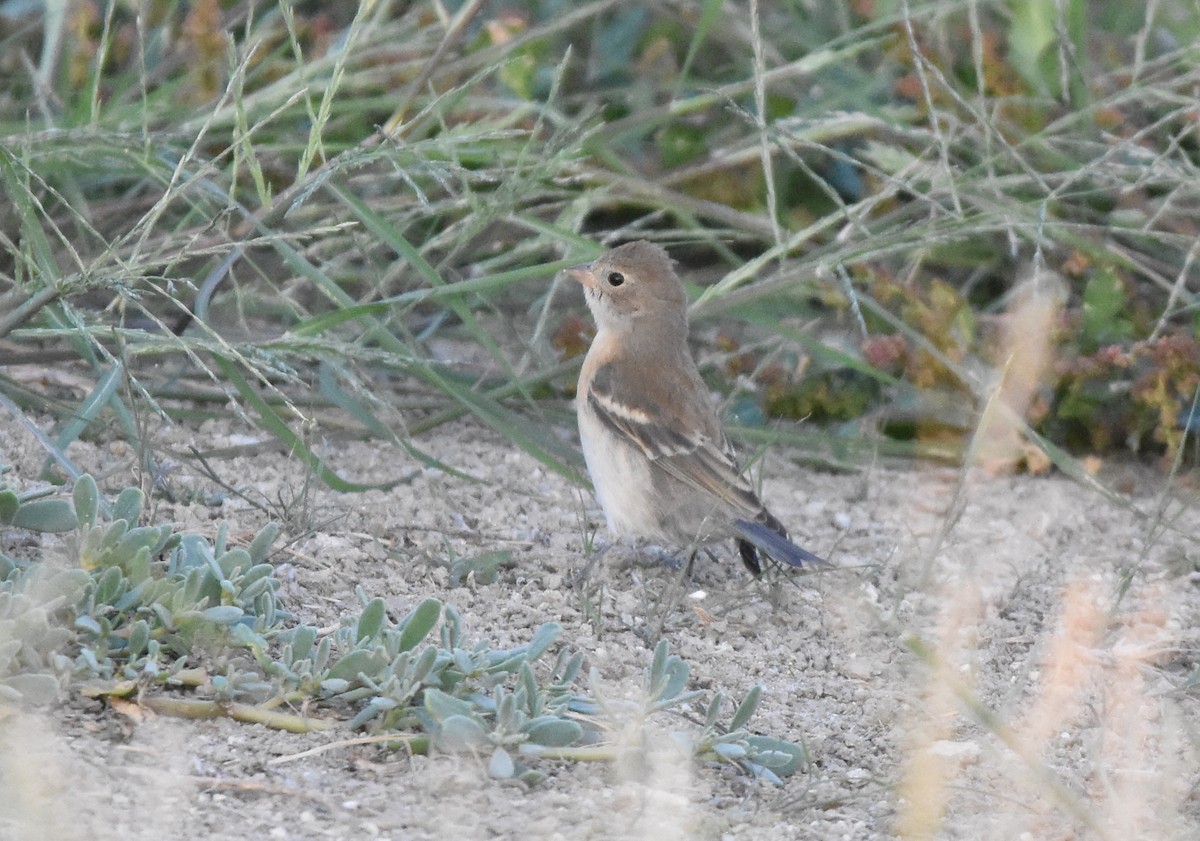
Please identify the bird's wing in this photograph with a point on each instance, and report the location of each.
(681, 437)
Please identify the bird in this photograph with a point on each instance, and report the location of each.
(660, 463)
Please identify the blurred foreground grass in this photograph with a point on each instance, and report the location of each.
(897, 214)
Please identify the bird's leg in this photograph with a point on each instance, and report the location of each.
(589, 566)
(661, 557)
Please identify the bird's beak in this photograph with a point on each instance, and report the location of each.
(583, 273)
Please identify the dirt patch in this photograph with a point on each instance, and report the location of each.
(991, 657)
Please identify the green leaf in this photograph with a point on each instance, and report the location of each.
(9, 505)
(128, 506)
(147, 538)
(321, 655)
(501, 765)
(797, 756)
(137, 567)
(1033, 40)
(66, 584)
(302, 639)
(83, 415)
(236, 560)
(261, 544)
(111, 535)
(86, 497)
(46, 515)
(1029, 38)
(359, 660)
(482, 567)
(442, 706)
(746, 709)
(667, 676)
(713, 712)
(543, 638)
(461, 733)
(139, 637)
(658, 665)
(1105, 303)
(87, 623)
(553, 732)
(33, 688)
(418, 623)
(451, 630)
(223, 614)
(422, 666)
(370, 621)
(108, 585)
(730, 750)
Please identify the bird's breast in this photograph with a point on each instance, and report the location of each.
(622, 477)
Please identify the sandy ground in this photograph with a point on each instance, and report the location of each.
(973, 668)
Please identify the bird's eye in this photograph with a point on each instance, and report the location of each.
(615, 278)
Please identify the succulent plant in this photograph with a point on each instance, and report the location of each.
(148, 607)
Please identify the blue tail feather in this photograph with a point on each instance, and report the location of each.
(767, 540)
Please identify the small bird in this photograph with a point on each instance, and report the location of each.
(657, 454)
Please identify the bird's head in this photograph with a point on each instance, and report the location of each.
(631, 282)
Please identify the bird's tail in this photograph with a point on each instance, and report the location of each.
(771, 538)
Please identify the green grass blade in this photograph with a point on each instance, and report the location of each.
(271, 422)
(88, 411)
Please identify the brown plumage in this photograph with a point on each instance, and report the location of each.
(659, 460)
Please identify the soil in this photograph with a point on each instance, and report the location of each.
(991, 657)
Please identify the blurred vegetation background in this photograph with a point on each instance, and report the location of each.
(333, 219)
